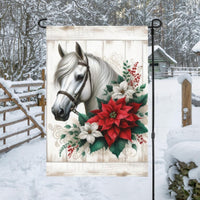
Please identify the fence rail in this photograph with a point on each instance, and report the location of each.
(12, 101)
(177, 71)
(21, 84)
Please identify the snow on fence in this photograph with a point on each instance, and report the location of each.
(177, 71)
(27, 106)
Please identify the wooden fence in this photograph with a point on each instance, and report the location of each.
(32, 98)
(177, 71)
(196, 100)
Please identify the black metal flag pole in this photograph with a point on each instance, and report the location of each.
(155, 23)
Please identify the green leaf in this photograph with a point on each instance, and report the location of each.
(109, 88)
(133, 137)
(89, 114)
(118, 146)
(82, 118)
(124, 64)
(140, 129)
(75, 126)
(100, 101)
(142, 86)
(141, 99)
(114, 82)
(71, 132)
(134, 96)
(81, 143)
(141, 114)
(83, 153)
(68, 126)
(134, 146)
(146, 113)
(63, 148)
(98, 144)
(120, 79)
(105, 92)
(62, 136)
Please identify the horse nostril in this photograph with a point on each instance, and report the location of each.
(53, 110)
(61, 112)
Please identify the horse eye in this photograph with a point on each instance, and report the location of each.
(79, 77)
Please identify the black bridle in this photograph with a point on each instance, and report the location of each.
(74, 99)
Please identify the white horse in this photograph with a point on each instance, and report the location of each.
(82, 77)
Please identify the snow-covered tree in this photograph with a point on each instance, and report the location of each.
(23, 45)
(20, 39)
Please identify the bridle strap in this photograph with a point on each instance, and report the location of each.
(83, 64)
(75, 99)
(82, 86)
(67, 94)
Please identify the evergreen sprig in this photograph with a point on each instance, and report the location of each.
(125, 72)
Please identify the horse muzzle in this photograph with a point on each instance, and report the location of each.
(60, 114)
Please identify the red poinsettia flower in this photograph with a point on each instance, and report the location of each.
(116, 119)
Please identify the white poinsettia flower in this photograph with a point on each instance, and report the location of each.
(90, 132)
(123, 90)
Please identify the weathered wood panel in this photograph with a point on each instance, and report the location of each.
(97, 33)
(114, 45)
(97, 169)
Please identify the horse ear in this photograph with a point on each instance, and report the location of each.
(79, 51)
(60, 50)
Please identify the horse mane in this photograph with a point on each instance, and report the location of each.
(66, 65)
(102, 74)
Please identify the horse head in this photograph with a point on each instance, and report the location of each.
(74, 78)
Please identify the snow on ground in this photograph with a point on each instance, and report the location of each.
(22, 170)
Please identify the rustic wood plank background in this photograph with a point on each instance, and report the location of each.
(114, 45)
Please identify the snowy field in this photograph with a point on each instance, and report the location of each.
(22, 170)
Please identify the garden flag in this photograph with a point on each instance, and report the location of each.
(97, 100)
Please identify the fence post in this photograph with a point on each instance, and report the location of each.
(4, 115)
(43, 102)
(186, 103)
(28, 121)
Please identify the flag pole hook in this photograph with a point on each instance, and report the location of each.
(41, 24)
